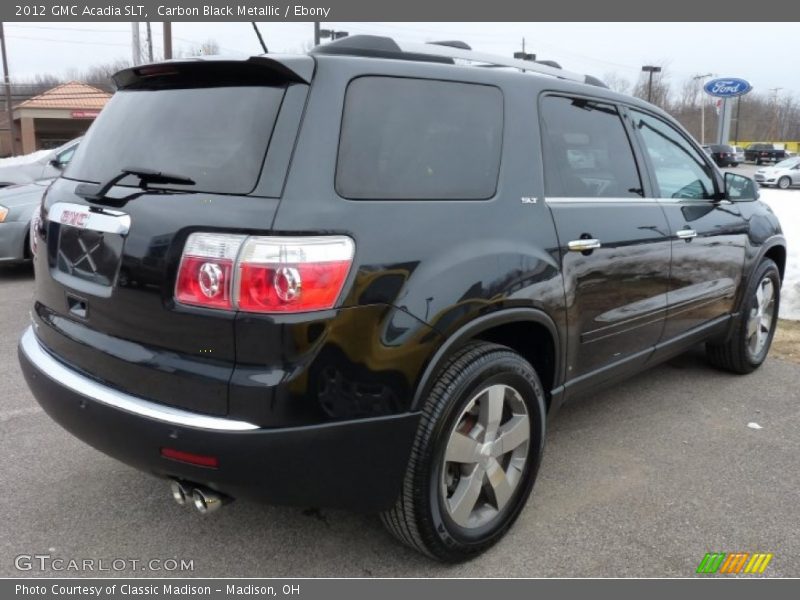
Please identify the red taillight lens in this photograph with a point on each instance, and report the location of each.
(205, 282)
(205, 277)
(293, 274)
(263, 274)
(291, 288)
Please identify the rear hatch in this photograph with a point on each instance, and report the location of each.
(222, 131)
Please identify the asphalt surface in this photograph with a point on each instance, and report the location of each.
(639, 480)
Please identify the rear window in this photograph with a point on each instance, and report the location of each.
(216, 136)
(414, 139)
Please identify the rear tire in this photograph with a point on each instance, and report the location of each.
(475, 455)
(749, 342)
(784, 182)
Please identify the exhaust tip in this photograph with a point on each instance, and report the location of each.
(180, 494)
(206, 501)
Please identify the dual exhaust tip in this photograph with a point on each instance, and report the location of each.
(203, 499)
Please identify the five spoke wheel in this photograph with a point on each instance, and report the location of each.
(485, 456)
(762, 314)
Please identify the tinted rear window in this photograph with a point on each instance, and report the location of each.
(216, 136)
(413, 139)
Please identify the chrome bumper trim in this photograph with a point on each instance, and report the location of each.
(98, 392)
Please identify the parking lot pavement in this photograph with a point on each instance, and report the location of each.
(639, 480)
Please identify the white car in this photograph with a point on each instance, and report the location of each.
(784, 174)
(738, 153)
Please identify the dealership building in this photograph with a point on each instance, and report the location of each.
(53, 117)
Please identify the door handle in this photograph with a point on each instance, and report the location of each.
(584, 245)
(686, 234)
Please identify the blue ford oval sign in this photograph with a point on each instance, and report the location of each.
(727, 87)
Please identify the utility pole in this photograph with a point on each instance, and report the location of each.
(167, 40)
(12, 129)
(649, 69)
(136, 44)
(317, 38)
(702, 80)
(149, 42)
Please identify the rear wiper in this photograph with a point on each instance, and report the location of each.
(97, 193)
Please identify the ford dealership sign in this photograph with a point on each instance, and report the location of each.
(728, 87)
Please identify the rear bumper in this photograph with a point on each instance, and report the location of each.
(357, 465)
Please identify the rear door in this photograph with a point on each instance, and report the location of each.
(709, 233)
(106, 280)
(615, 246)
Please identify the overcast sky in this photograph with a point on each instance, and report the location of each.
(748, 50)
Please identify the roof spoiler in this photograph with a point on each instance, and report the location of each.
(221, 69)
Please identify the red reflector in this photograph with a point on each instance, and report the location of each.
(191, 458)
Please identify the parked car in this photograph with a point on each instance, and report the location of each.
(47, 166)
(723, 155)
(340, 280)
(738, 153)
(760, 153)
(784, 175)
(17, 205)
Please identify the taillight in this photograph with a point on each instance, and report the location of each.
(205, 277)
(264, 274)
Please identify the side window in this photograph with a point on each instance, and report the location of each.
(587, 152)
(417, 139)
(680, 170)
(66, 156)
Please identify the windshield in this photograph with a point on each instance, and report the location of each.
(215, 136)
(787, 164)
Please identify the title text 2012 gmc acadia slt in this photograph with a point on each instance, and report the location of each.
(365, 277)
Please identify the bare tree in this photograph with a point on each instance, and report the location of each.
(207, 48)
(617, 83)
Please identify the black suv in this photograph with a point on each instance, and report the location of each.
(367, 277)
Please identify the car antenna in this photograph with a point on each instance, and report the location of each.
(260, 39)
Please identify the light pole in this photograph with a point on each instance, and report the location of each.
(12, 129)
(334, 35)
(702, 79)
(650, 69)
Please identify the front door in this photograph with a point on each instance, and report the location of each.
(614, 242)
(709, 233)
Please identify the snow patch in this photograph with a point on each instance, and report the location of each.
(786, 205)
(24, 159)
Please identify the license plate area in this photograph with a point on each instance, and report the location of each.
(85, 247)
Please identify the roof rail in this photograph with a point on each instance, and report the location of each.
(448, 52)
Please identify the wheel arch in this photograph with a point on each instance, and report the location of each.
(528, 331)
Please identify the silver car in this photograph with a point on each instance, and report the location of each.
(17, 205)
(784, 174)
(48, 166)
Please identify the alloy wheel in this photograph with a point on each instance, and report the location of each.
(485, 456)
(762, 315)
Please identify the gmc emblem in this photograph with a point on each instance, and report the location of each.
(74, 218)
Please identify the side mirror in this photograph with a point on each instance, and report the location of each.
(57, 164)
(739, 188)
